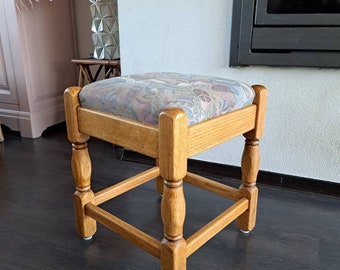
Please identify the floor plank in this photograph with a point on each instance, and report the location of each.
(294, 230)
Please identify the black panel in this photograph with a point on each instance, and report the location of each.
(261, 38)
(297, 38)
(264, 17)
(303, 6)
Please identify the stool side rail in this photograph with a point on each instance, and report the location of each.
(124, 186)
(207, 134)
(208, 231)
(124, 229)
(120, 131)
(212, 186)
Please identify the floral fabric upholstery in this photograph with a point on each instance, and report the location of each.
(142, 97)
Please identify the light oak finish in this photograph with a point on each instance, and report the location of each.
(171, 144)
(124, 229)
(124, 186)
(119, 131)
(212, 186)
(200, 237)
(207, 134)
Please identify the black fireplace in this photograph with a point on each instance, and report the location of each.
(286, 33)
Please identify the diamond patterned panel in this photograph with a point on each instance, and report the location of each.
(105, 29)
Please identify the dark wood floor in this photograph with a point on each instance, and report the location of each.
(294, 230)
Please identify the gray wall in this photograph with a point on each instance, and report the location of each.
(303, 116)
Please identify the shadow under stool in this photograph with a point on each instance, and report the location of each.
(169, 117)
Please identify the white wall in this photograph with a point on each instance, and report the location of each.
(302, 135)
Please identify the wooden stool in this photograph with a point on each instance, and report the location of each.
(112, 67)
(169, 117)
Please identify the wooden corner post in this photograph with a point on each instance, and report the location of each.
(251, 161)
(80, 163)
(173, 140)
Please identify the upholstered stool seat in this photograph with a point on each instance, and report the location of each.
(142, 97)
(169, 117)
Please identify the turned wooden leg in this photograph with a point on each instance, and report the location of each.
(81, 170)
(173, 167)
(173, 250)
(251, 161)
(81, 164)
(250, 166)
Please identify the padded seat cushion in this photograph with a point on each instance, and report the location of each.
(142, 97)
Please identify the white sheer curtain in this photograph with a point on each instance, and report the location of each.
(26, 4)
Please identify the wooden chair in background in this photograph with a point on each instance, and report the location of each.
(111, 68)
